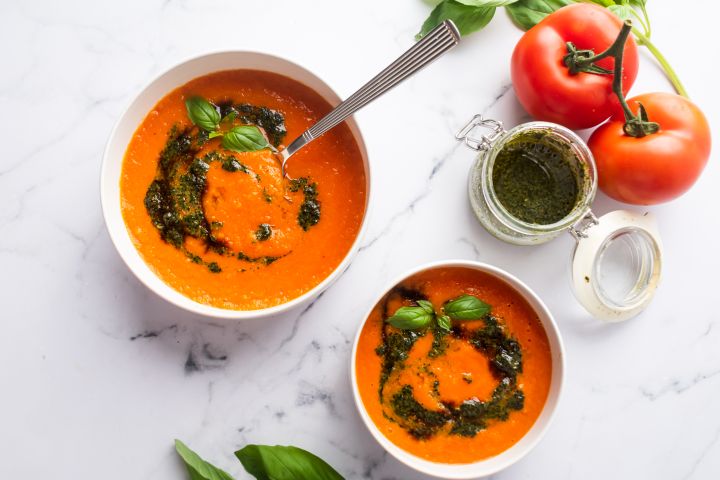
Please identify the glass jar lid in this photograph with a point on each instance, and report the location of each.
(616, 264)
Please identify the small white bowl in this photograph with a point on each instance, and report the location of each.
(494, 464)
(134, 115)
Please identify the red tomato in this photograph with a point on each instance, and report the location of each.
(544, 85)
(660, 166)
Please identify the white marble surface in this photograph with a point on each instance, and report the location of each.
(99, 375)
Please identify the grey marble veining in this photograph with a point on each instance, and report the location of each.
(100, 375)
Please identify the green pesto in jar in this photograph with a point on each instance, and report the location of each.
(537, 178)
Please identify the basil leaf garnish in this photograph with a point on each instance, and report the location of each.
(444, 322)
(466, 307)
(245, 138)
(410, 318)
(467, 18)
(198, 468)
(528, 13)
(266, 462)
(202, 113)
(427, 306)
(229, 118)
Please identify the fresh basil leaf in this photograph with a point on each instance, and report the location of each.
(427, 306)
(214, 134)
(266, 462)
(604, 3)
(625, 12)
(486, 3)
(410, 318)
(444, 322)
(466, 307)
(467, 18)
(638, 3)
(230, 117)
(245, 138)
(202, 113)
(198, 468)
(528, 13)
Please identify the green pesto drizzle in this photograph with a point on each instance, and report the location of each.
(536, 178)
(309, 213)
(174, 199)
(272, 121)
(472, 415)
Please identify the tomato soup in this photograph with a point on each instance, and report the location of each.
(214, 218)
(453, 390)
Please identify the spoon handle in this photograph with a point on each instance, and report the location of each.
(441, 39)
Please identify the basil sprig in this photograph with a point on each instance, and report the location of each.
(243, 138)
(264, 462)
(203, 113)
(466, 307)
(444, 322)
(423, 314)
(411, 318)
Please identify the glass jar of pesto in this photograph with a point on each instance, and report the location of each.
(537, 180)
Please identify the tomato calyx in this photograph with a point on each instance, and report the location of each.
(582, 61)
(636, 125)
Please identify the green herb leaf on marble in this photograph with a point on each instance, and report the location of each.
(198, 468)
(467, 18)
(528, 13)
(266, 462)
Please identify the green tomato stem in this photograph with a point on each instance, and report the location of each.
(648, 27)
(669, 71)
(635, 125)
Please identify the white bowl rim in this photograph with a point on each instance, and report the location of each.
(510, 456)
(170, 294)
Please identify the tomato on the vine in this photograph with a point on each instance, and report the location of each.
(544, 84)
(657, 167)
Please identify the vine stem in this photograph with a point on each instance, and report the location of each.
(635, 125)
(584, 61)
(617, 50)
(669, 71)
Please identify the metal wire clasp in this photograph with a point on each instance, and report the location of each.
(485, 141)
(579, 229)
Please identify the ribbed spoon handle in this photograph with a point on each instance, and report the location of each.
(441, 39)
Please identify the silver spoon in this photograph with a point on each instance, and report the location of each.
(441, 39)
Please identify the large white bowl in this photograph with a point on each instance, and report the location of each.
(134, 115)
(503, 460)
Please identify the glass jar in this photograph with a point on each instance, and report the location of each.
(490, 211)
(617, 259)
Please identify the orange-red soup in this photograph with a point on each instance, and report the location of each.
(461, 373)
(242, 272)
